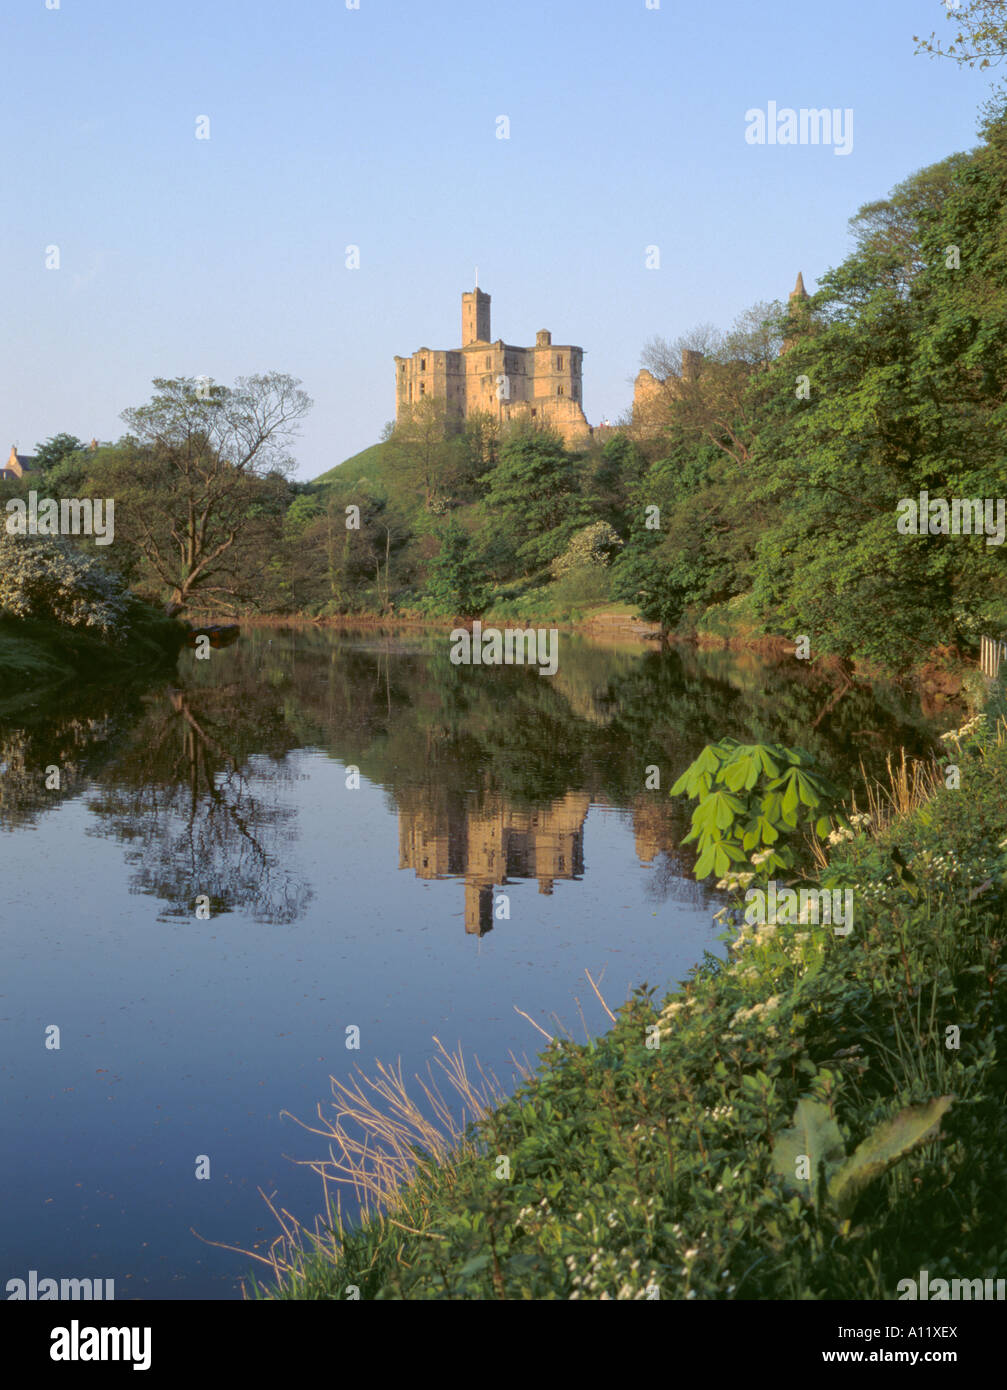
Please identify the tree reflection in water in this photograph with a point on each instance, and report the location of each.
(200, 814)
(491, 771)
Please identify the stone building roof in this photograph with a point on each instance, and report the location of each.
(17, 465)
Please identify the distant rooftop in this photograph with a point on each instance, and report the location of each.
(17, 464)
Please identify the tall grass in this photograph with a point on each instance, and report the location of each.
(388, 1147)
(911, 783)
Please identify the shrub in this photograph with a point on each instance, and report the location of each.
(593, 545)
(751, 798)
(42, 577)
(583, 587)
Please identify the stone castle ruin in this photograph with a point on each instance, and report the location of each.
(538, 385)
(650, 391)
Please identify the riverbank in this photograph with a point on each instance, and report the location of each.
(945, 679)
(650, 1163)
(38, 656)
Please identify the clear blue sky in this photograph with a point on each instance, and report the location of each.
(377, 127)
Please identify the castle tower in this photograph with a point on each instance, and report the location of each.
(475, 318)
(692, 363)
(797, 303)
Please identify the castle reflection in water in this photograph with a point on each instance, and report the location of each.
(489, 843)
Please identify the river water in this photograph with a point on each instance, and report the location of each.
(312, 833)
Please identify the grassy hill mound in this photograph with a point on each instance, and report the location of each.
(371, 463)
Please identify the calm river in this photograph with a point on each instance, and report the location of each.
(329, 906)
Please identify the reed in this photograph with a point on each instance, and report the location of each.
(384, 1143)
(911, 783)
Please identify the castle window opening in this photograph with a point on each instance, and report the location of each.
(559, 390)
(423, 364)
(559, 364)
(423, 388)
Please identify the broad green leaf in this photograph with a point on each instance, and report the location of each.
(736, 775)
(726, 808)
(815, 1135)
(806, 790)
(889, 1142)
(704, 864)
(698, 776)
(768, 766)
(769, 832)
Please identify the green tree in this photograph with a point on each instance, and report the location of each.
(427, 453)
(455, 583)
(979, 30)
(533, 498)
(55, 449)
(612, 473)
(712, 384)
(199, 483)
(695, 549)
(905, 377)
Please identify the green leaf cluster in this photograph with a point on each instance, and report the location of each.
(753, 798)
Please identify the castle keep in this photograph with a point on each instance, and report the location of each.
(540, 384)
